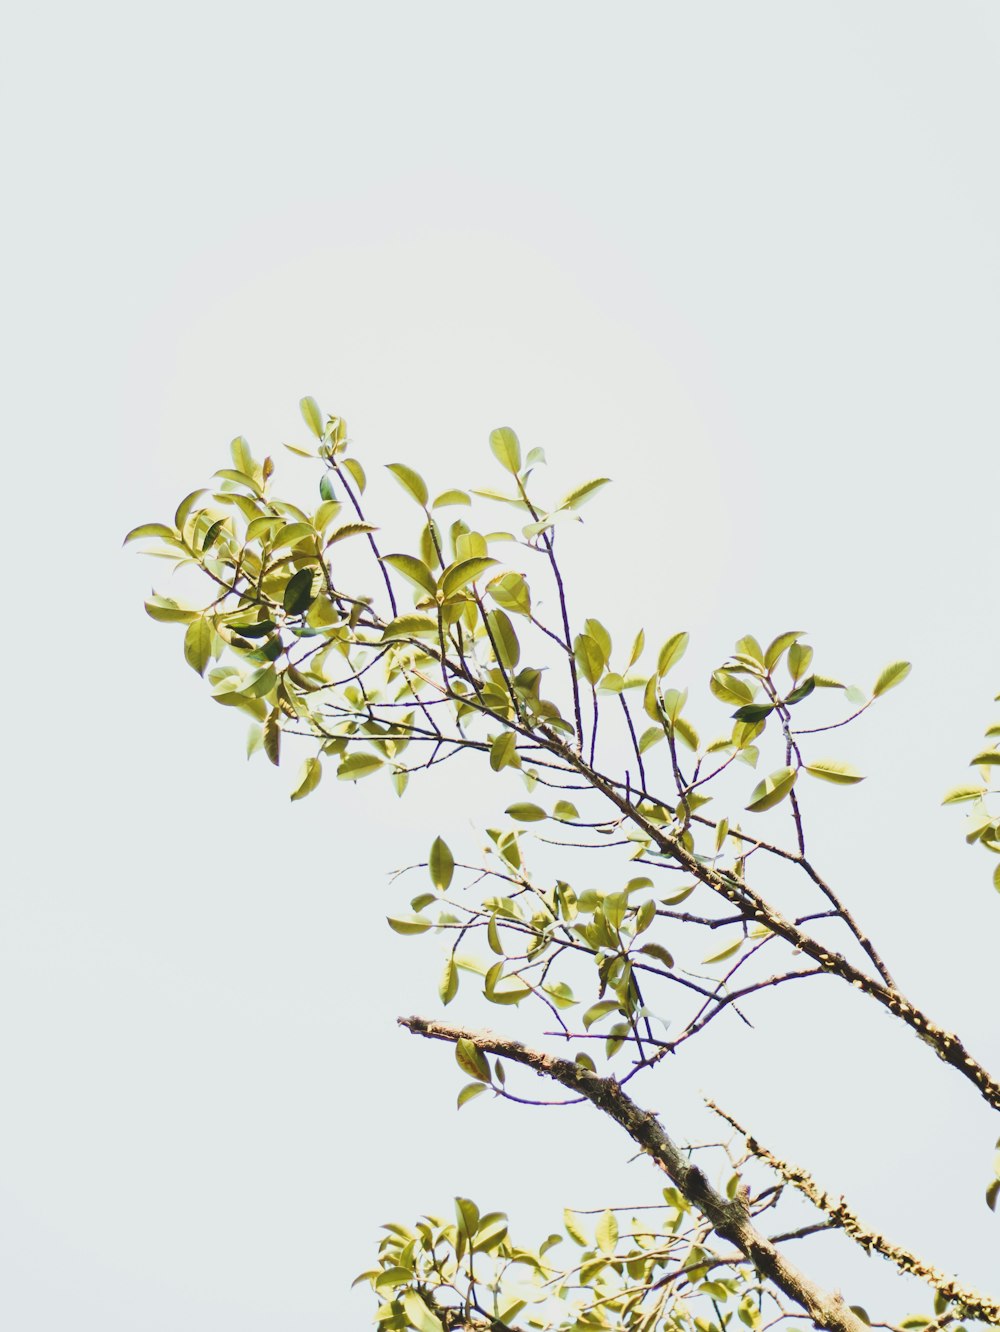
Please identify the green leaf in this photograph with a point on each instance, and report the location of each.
(659, 952)
(346, 530)
(508, 648)
(309, 778)
(525, 812)
(150, 530)
(451, 497)
(471, 1060)
(272, 736)
(749, 647)
(411, 481)
(413, 569)
(167, 611)
(510, 592)
(421, 1318)
(312, 415)
(441, 864)
(601, 1009)
(185, 507)
(772, 790)
(298, 593)
(358, 764)
(503, 750)
(726, 951)
(730, 688)
(459, 575)
(800, 657)
(448, 984)
(581, 494)
(606, 1233)
(671, 652)
(506, 449)
(198, 644)
(574, 1228)
(802, 691)
(753, 712)
(959, 793)
(409, 924)
(996, 878)
(831, 770)
(589, 658)
(778, 647)
(895, 673)
(470, 1090)
(411, 626)
(985, 757)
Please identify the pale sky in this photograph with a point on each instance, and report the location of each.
(741, 258)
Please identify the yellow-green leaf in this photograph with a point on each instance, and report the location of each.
(413, 569)
(580, 494)
(412, 482)
(607, 1233)
(895, 673)
(409, 924)
(506, 449)
(772, 790)
(726, 951)
(198, 644)
(831, 770)
(459, 575)
(441, 864)
(471, 1060)
(312, 415)
(448, 985)
(309, 778)
(150, 530)
(671, 652)
(525, 812)
(359, 764)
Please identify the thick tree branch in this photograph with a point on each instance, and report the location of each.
(730, 1219)
(973, 1304)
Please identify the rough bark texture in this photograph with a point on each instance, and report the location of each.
(730, 1219)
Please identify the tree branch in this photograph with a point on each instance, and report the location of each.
(730, 1219)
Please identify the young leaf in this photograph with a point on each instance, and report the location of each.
(525, 812)
(412, 482)
(149, 530)
(895, 673)
(413, 569)
(727, 950)
(831, 770)
(503, 750)
(606, 1233)
(506, 449)
(470, 1090)
(574, 1228)
(448, 985)
(309, 778)
(589, 658)
(959, 793)
(772, 790)
(451, 497)
(417, 1313)
(671, 653)
(459, 575)
(471, 1060)
(198, 644)
(441, 864)
(312, 415)
(359, 764)
(580, 494)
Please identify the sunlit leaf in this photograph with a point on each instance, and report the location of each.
(506, 449)
(198, 644)
(525, 812)
(413, 569)
(772, 790)
(895, 673)
(312, 415)
(832, 770)
(471, 1060)
(309, 778)
(412, 482)
(441, 865)
(671, 652)
(580, 494)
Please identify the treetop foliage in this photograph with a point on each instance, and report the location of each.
(384, 658)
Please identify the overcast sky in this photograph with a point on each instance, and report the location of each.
(741, 258)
